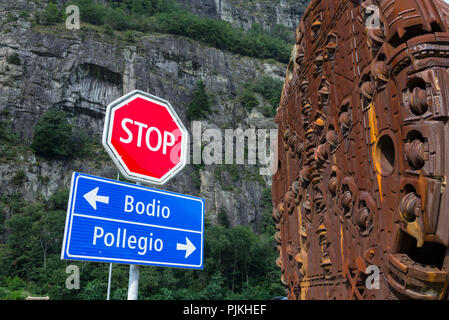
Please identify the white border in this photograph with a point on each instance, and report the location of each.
(107, 135)
(67, 217)
(71, 212)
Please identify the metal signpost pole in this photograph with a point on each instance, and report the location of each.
(109, 282)
(133, 282)
(133, 286)
(108, 296)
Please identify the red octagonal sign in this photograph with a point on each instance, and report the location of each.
(145, 138)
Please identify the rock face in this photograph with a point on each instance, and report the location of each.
(81, 71)
(243, 14)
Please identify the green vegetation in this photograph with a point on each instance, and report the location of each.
(51, 15)
(267, 225)
(232, 169)
(19, 178)
(196, 174)
(239, 263)
(6, 137)
(248, 100)
(270, 89)
(10, 146)
(223, 219)
(220, 34)
(166, 16)
(234, 173)
(30, 254)
(13, 59)
(199, 108)
(55, 137)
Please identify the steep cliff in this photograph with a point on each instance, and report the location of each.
(244, 14)
(81, 71)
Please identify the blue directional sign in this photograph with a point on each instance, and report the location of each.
(113, 221)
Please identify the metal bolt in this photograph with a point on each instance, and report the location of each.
(277, 214)
(299, 148)
(295, 187)
(304, 85)
(381, 71)
(319, 60)
(304, 175)
(410, 207)
(324, 91)
(331, 46)
(310, 133)
(345, 120)
(286, 133)
(363, 218)
(368, 89)
(346, 199)
(292, 140)
(332, 138)
(333, 183)
(316, 25)
(375, 37)
(416, 155)
(306, 110)
(300, 57)
(321, 153)
(307, 205)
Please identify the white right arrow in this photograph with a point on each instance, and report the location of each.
(188, 247)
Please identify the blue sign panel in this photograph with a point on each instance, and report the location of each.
(113, 221)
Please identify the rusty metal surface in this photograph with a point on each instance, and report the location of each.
(363, 152)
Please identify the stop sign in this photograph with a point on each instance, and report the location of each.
(145, 138)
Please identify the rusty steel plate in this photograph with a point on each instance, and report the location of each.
(364, 152)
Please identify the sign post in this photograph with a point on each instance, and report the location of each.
(148, 143)
(108, 294)
(117, 222)
(133, 281)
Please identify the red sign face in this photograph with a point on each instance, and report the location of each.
(145, 138)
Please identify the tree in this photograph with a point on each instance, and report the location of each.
(199, 107)
(53, 135)
(270, 89)
(14, 59)
(215, 288)
(34, 234)
(167, 16)
(223, 219)
(52, 15)
(248, 100)
(239, 263)
(92, 12)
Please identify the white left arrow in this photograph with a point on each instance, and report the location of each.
(188, 247)
(92, 197)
